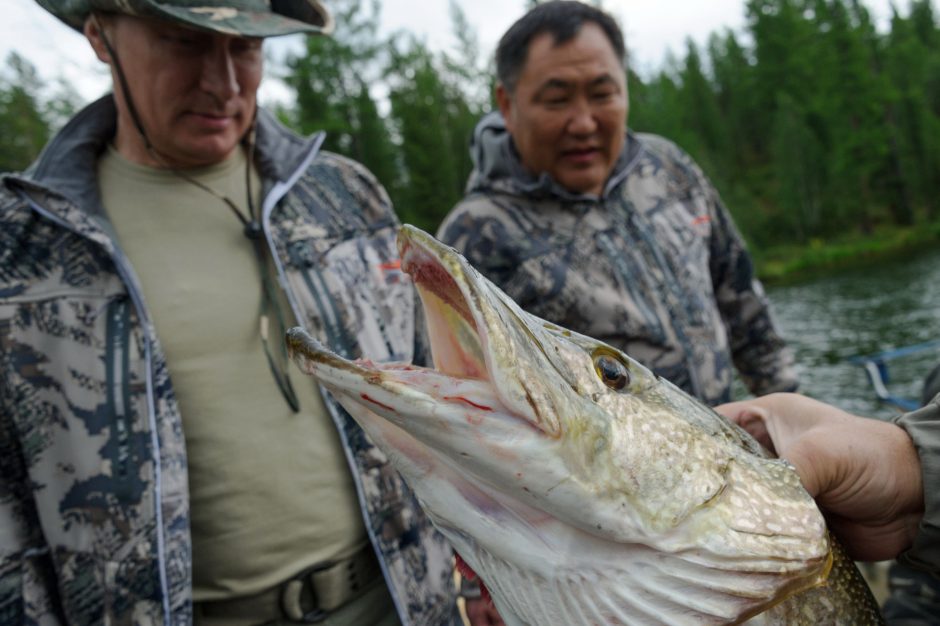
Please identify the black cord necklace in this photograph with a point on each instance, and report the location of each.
(251, 228)
(251, 223)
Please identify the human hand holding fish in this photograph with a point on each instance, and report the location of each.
(864, 473)
(581, 488)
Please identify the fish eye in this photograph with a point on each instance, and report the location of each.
(612, 371)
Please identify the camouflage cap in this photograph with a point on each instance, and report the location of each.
(249, 18)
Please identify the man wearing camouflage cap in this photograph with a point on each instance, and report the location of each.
(157, 464)
(611, 233)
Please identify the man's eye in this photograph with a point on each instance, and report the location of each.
(554, 96)
(555, 99)
(247, 46)
(180, 40)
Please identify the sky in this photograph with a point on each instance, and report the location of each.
(652, 28)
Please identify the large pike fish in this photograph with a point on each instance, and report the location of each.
(579, 486)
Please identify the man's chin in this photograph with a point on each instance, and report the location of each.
(587, 177)
(592, 184)
(200, 155)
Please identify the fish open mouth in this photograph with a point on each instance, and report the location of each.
(476, 338)
(477, 332)
(456, 318)
(456, 336)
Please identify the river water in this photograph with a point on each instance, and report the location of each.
(865, 310)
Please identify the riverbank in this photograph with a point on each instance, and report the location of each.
(795, 263)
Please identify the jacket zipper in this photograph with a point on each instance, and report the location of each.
(278, 191)
(267, 206)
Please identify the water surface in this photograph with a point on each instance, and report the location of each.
(866, 310)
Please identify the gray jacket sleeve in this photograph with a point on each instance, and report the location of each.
(923, 425)
(763, 360)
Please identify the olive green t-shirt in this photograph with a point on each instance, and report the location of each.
(270, 490)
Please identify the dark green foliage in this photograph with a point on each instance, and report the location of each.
(419, 148)
(912, 62)
(820, 126)
(700, 106)
(421, 112)
(798, 180)
(331, 79)
(26, 114)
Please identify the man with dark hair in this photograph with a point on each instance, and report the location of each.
(562, 20)
(157, 465)
(611, 233)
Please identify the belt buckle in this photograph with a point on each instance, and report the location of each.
(292, 596)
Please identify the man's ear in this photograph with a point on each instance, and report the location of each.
(92, 30)
(504, 102)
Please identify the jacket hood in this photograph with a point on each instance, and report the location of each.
(497, 166)
(67, 165)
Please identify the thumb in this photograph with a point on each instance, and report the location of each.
(752, 418)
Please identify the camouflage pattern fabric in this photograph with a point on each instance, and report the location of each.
(654, 267)
(923, 426)
(94, 515)
(249, 18)
(914, 597)
(914, 581)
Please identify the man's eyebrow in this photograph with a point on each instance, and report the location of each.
(552, 83)
(603, 80)
(558, 83)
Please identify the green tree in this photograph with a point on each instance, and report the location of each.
(735, 91)
(436, 101)
(27, 116)
(371, 144)
(909, 62)
(656, 106)
(850, 101)
(422, 113)
(785, 53)
(700, 107)
(471, 88)
(330, 80)
(799, 178)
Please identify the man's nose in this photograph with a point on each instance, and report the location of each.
(582, 120)
(218, 73)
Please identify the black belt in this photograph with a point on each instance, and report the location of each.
(305, 598)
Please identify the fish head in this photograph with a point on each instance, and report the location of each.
(544, 447)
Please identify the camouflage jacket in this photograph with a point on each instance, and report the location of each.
(94, 519)
(654, 266)
(923, 426)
